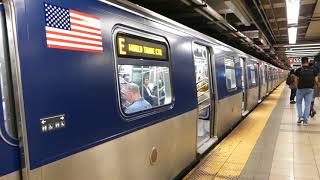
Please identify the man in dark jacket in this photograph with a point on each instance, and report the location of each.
(292, 86)
(147, 93)
(305, 78)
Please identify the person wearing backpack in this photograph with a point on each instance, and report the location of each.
(305, 78)
(290, 83)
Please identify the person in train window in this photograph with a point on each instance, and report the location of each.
(137, 103)
(305, 78)
(147, 93)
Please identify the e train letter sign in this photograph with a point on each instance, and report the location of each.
(129, 46)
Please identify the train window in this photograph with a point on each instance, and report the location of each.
(200, 55)
(9, 121)
(6, 87)
(143, 87)
(230, 74)
(253, 74)
(263, 75)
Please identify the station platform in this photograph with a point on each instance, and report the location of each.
(267, 144)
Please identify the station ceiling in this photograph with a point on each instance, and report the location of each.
(258, 27)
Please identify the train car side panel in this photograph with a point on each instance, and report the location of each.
(228, 74)
(80, 87)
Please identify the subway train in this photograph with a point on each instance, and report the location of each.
(99, 89)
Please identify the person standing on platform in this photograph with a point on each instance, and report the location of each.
(315, 91)
(290, 83)
(305, 78)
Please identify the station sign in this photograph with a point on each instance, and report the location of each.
(294, 59)
(130, 46)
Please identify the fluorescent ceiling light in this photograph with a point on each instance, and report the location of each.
(302, 54)
(297, 45)
(305, 48)
(293, 8)
(310, 57)
(313, 51)
(292, 31)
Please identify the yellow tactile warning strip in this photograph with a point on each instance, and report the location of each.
(227, 159)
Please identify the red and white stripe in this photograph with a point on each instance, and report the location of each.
(85, 34)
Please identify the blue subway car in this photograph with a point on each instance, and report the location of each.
(100, 90)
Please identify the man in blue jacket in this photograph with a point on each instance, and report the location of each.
(137, 103)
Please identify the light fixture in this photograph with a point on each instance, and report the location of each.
(313, 51)
(297, 45)
(304, 48)
(292, 31)
(302, 54)
(293, 8)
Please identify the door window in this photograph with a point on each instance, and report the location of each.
(263, 74)
(6, 86)
(230, 74)
(252, 70)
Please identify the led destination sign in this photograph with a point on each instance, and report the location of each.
(137, 47)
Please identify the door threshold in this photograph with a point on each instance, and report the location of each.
(245, 113)
(205, 146)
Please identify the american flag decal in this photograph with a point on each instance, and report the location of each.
(72, 30)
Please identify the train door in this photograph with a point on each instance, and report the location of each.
(244, 86)
(9, 150)
(266, 71)
(201, 55)
(260, 72)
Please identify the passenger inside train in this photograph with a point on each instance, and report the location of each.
(147, 93)
(137, 103)
(153, 84)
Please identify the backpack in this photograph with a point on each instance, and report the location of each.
(289, 80)
(317, 66)
(306, 77)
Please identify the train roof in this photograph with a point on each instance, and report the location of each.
(153, 16)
